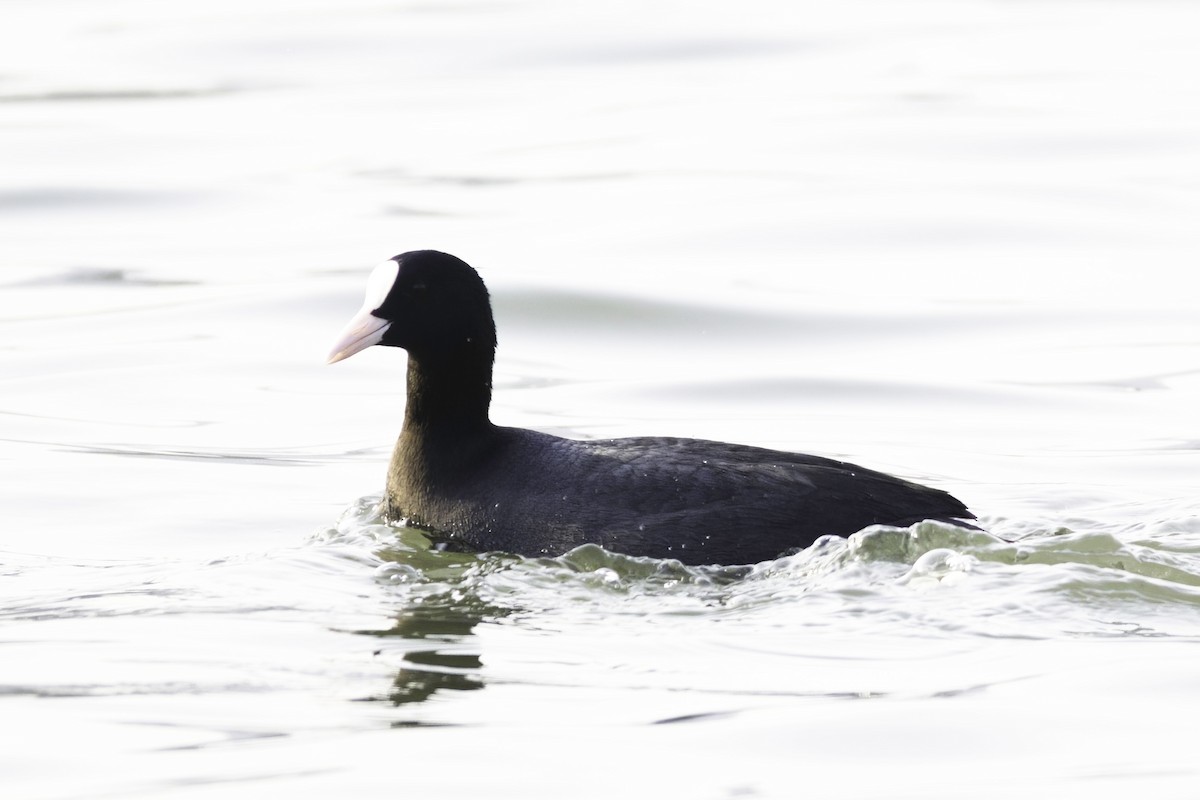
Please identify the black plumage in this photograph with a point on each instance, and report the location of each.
(485, 487)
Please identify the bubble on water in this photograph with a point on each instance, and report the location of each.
(939, 567)
(394, 572)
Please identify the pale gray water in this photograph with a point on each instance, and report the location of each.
(949, 240)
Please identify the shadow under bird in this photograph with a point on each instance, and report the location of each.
(478, 486)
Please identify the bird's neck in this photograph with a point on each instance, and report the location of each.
(448, 393)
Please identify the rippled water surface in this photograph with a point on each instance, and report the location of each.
(953, 241)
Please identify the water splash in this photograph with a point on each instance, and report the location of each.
(927, 578)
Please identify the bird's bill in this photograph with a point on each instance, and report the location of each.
(359, 334)
(366, 329)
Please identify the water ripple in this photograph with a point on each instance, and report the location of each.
(925, 579)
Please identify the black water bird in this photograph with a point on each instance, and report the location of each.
(479, 486)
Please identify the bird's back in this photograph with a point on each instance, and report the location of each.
(702, 502)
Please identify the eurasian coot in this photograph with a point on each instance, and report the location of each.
(479, 486)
